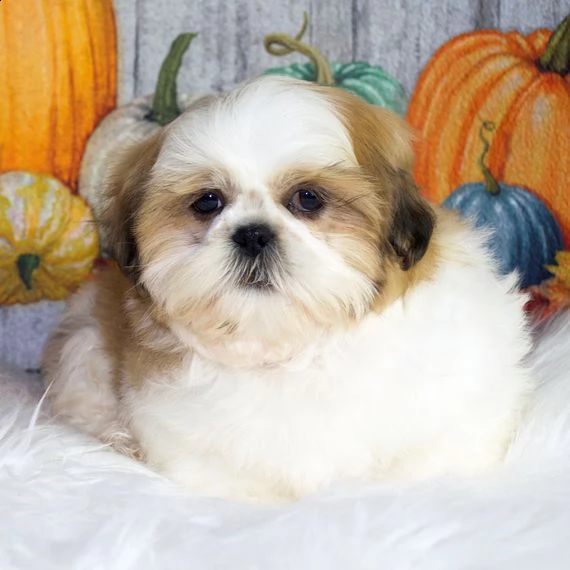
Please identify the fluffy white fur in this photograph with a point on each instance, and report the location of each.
(68, 503)
(297, 400)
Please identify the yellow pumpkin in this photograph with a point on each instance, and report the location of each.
(48, 240)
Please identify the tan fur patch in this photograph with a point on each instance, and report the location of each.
(382, 146)
(133, 330)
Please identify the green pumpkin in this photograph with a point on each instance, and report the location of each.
(370, 82)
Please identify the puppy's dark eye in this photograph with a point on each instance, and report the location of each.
(306, 200)
(208, 203)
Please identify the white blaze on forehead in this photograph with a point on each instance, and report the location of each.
(256, 131)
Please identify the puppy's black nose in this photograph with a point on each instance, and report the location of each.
(253, 239)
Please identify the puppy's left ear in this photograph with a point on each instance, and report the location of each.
(412, 222)
(382, 143)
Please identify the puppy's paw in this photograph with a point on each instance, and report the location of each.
(123, 442)
(128, 447)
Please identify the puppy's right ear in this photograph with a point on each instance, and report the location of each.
(125, 187)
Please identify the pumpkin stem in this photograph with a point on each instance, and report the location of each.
(27, 263)
(283, 44)
(165, 105)
(556, 56)
(490, 182)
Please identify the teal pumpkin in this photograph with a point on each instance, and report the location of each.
(369, 82)
(525, 236)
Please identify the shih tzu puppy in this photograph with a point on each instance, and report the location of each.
(287, 312)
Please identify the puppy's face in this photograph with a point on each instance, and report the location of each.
(269, 214)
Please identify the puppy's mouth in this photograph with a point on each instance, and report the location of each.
(256, 281)
(255, 276)
(260, 273)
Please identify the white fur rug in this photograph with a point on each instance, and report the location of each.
(67, 503)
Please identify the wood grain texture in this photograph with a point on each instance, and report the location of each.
(126, 15)
(228, 49)
(399, 35)
(331, 28)
(526, 15)
(24, 330)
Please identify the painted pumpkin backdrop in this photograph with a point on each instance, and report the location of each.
(58, 74)
(133, 122)
(521, 84)
(523, 234)
(370, 82)
(48, 240)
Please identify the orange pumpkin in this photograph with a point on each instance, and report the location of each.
(521, 84)
(58, 78)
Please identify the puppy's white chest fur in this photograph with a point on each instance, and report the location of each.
(286, 429)
(412, 392)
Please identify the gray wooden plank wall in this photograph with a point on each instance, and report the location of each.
(399, 35)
